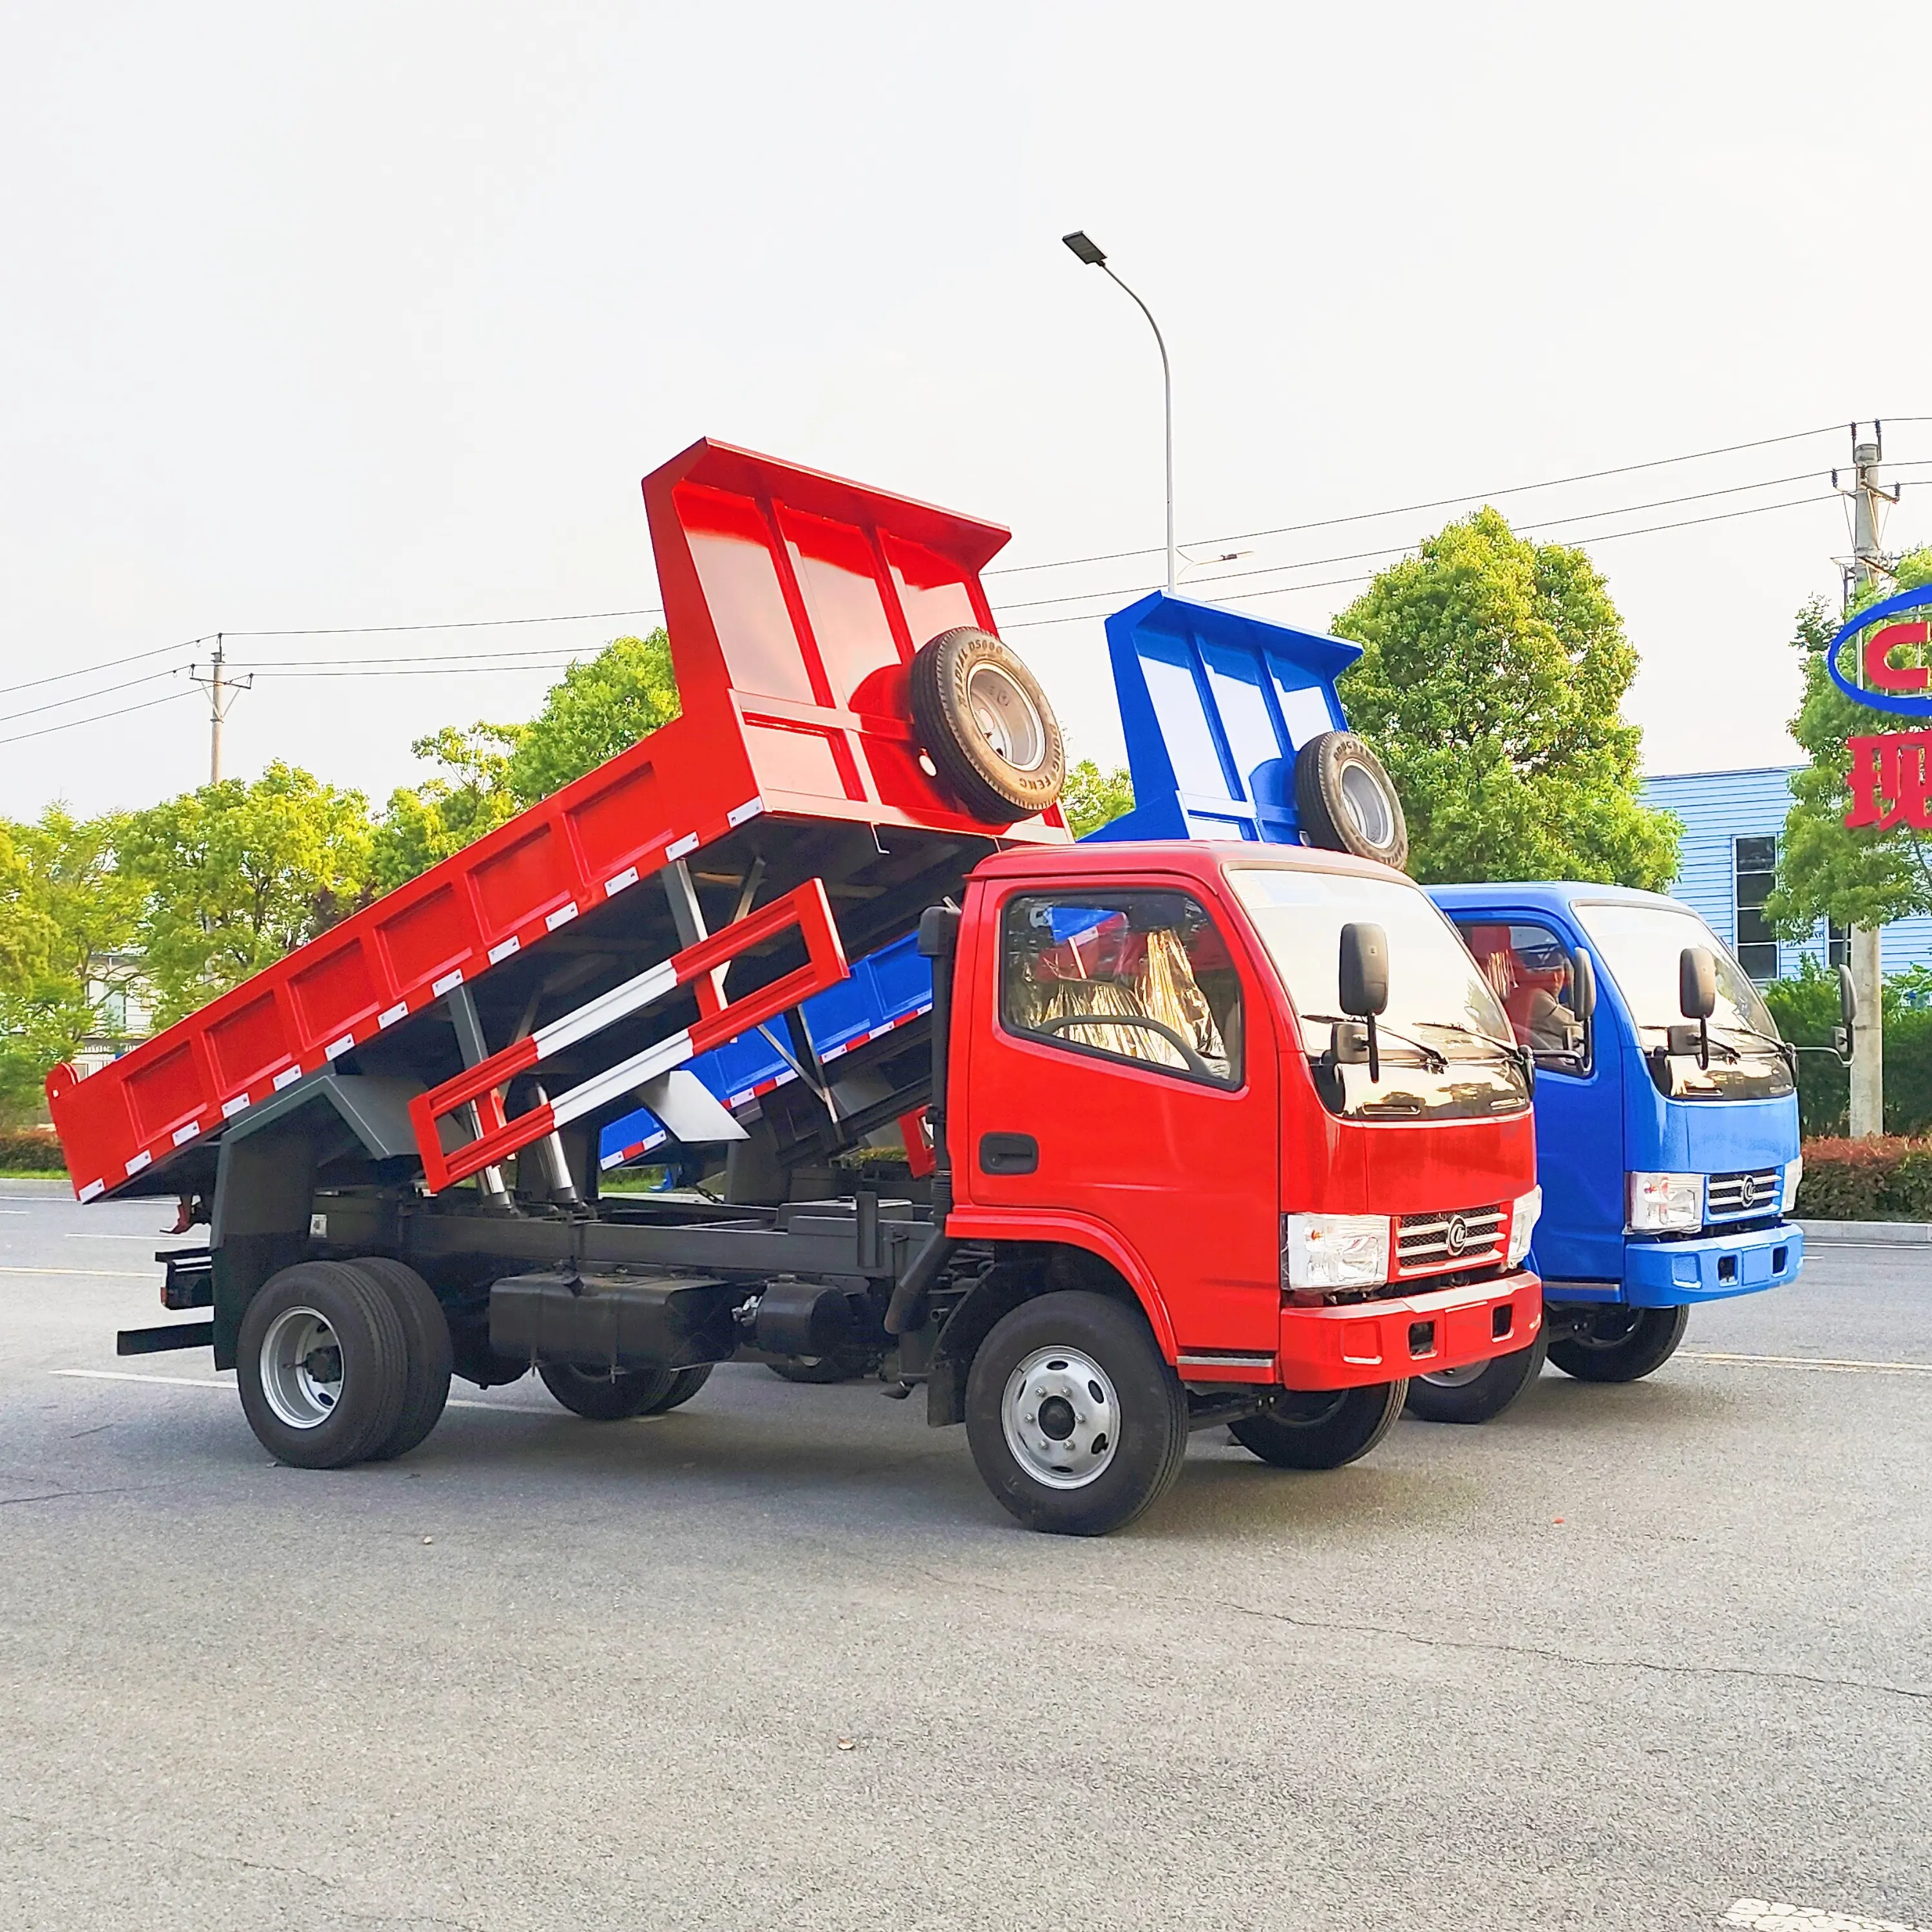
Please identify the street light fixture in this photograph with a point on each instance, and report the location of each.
(1086, 250)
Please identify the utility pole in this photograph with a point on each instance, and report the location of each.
(1867, 561)
(222, 690)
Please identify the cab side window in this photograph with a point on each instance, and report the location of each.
(1136, 976)
(1529, 969)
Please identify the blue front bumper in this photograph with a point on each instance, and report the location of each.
(1663, 1274)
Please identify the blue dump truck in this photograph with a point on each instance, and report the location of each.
(1667, 1105)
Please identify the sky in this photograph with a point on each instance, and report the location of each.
(317, 318)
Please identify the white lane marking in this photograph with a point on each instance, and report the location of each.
(1767, 1914)
(90, 1235)
(1808, 1362)
(203, 1381)
(102, 1274)
(13, 1211)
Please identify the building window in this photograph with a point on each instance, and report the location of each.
(1754, 871)
(1838, 943)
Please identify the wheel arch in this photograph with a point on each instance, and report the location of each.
(1020, 1271)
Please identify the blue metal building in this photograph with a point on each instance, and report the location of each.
(1732, 821)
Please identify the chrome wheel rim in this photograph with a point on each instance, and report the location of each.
(1366, 805)
(302, 1368)
(1006, 718)
(1061, 1417)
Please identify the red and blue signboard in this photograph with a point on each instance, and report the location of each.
(1890, 774)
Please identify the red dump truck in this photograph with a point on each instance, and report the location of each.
(1153, 1204)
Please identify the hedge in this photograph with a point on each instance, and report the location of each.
(1876, 1180)
(36, 1150)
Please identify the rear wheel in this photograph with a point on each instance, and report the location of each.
(1481, 1390)
(427, 1345)
(1076, 1422)
(616, 1395)
(1613, 1344)
(1321, 1429)
(323, 1363)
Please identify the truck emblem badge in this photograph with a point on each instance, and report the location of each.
(1747, 1191)
(1456, 1236)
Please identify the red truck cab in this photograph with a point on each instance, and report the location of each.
(1151, 1086)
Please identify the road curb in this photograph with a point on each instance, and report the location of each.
(1868, 1233)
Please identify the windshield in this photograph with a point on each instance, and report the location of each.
(1446, 1047)
(1640, 947)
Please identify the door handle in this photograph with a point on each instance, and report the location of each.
(1008, 1153)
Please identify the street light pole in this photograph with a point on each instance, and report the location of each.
(1088, 252)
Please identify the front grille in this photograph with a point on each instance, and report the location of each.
(1756, 1193)
(1464, 1239)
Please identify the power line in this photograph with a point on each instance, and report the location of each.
(87, 697)
(1442, 502)
(463, 624)
(112, 664)
(100, 717)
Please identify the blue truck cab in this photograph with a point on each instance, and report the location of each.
(1667, 1153)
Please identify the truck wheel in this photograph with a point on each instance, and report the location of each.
(1479, 1391)
(1347, 803)
(427, 1344)
(684, 1383)
(1075, 1422)
(1621, 1345)
(323, 1365)
(616, 1395)
(986, 725)
(848, 1365)
(1321, 1429)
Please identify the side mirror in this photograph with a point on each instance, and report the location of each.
(1362, 981)
(1583, 970)
(1697, 983)
(1848, 998)
(1363, 974)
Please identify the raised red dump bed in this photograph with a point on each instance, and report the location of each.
(795, 601)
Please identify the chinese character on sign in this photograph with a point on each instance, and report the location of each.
(1888, 780)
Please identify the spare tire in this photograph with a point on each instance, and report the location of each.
(1347, 803)
(985, 724)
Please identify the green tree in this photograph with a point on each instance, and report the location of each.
(236, 875)
(1092, 798)
(1826, 870)
(471, 795)
(67, 914)
(1492, 673)
(596, 709)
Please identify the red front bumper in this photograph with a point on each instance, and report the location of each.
(1414, 1334)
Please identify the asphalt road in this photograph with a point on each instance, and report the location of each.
(1624, 1658)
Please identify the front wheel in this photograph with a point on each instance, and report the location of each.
(1076, 1422)
(1321, 1429)
(1480, 1389)
(616, 1395)
(1612, 1344)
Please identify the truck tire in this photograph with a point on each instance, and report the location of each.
(1347, 803)
(1076, 1422)
(986, 725)
(427, 1344)
(1480, 1391)
(323, 1365)
(616, 1395)
(1321, 1429)
(1621, 1345)
(848, 1365)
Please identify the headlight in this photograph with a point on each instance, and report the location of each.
(1665, 1203)
(1324, 1251)
(1794, 1172)
(1525, 1210)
